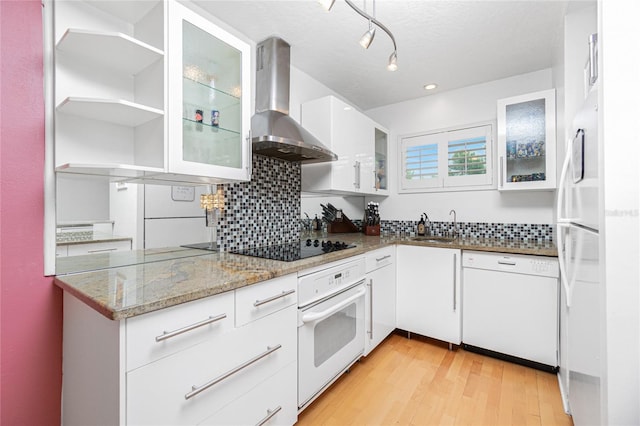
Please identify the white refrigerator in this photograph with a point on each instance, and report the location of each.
(173, 217)
(582, 308)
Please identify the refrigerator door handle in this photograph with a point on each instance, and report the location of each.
(560, 202)
(564, 278)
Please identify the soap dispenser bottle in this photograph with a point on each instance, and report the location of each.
(421, 226)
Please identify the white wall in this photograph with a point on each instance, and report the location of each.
(468, 105)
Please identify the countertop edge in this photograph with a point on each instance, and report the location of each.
(282, 269)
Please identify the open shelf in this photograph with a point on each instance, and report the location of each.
(112, 50)
(114, 171)
(115, 111)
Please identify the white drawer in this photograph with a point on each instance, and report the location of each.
(157, 392)
(91, 248)
(274, 398)
(259, 300)
(379, 258)
(187, 324)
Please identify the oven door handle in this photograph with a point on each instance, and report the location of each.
(317, 316)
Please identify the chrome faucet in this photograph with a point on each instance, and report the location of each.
(427, 226)
(455, 225)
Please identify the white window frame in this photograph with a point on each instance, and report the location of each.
(443, 182)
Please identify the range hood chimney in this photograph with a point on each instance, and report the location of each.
(275, 133)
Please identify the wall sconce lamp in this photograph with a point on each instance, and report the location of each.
(367, 37)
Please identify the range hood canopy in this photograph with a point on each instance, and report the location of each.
(275, 133)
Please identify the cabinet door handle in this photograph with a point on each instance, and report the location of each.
(455, 294)
(370, 309)
(102, 250)
(375, 176)
(284, 293)
(593, 60)
(249, 156)
(501, 172)
(195, 390)
(380, 259)
(169, 334)
(270, 413)
(356, 171)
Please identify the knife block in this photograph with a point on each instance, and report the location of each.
(372, 229)
(341, 227)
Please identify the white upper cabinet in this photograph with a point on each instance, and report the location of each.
(360, 144)
(109, 88)
(209, 98)
(527, 141)
(119, 96)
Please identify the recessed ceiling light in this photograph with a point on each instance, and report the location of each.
(347, 108)
(430, 86)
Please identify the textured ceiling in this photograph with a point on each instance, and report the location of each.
(451, 43)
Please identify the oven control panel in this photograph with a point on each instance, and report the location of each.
(324, 282)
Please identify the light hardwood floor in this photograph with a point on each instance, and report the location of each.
(419, 382)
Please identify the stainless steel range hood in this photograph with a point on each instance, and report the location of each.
(275, 134)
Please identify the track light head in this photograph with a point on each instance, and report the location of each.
(393, 61)
(327, 4)
(367, 38)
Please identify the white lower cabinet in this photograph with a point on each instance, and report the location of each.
(380, 300)
(268, 403)
(429, 301)
(117, 372)
(91, 248)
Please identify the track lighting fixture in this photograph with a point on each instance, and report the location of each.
(393, 61)
(367, 38)
(327, 4)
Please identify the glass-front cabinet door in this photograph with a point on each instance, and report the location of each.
(527, 142)
(380, 162)
(209, 104)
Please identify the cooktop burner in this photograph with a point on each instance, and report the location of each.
(289, 252)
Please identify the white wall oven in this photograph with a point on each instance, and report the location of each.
(330, 325)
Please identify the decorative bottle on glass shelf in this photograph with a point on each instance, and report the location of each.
(421, 226)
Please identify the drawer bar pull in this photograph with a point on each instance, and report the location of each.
(169, 334)
(284, 293)
(195, 390)
(507, 262)
(380, 259)
(270, 413)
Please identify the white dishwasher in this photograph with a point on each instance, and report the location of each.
(510, 307)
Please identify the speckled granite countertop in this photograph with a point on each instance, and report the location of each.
(86, 237)
(125, 284)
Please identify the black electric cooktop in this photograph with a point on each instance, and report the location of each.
(289, 252)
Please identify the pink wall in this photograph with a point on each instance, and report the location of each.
(30, 305)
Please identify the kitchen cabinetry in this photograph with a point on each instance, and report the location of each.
(209, 98)
(115, 114)
(380, 300)
(91, 248)
(429, 300)
(189, 364)
(527, 142)
(360, 144)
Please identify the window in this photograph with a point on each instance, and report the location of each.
(453, 158)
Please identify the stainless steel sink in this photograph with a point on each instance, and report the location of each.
(434, 239)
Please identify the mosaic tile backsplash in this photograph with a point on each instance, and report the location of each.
(500, 231)
(265, 210)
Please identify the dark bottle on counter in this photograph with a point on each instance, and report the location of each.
(315, 223)
(421, 226)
